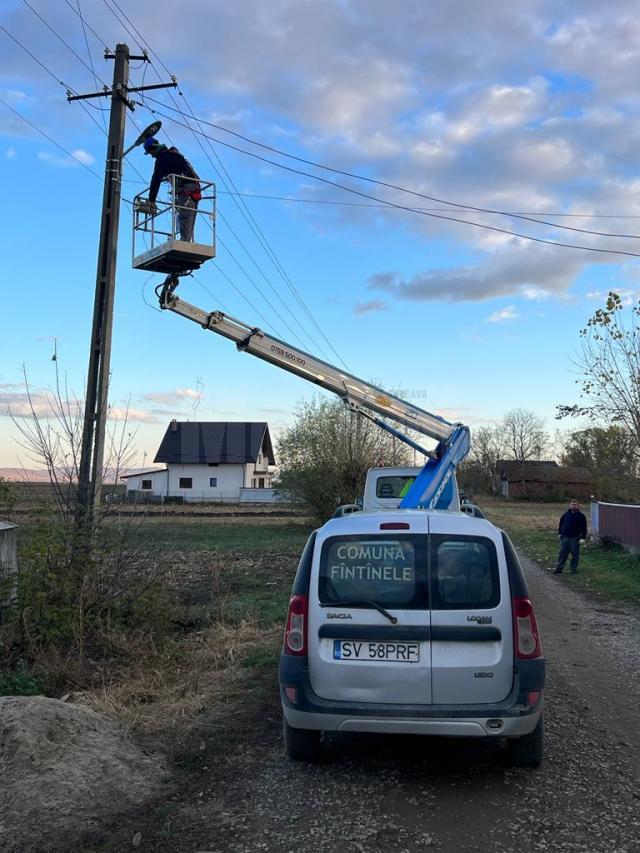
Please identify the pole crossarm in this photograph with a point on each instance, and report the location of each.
(107, 92)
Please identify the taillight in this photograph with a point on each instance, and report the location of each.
(525, 630)
(295, 634)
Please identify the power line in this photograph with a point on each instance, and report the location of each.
(406, 207)
(87, 24)
(66, 86)
(222, 217)
(524, 216)
(142, 47)
(46, 135)
(86, 41)
(442, 209)
(245, 212)
(59, 37)
(269, 303)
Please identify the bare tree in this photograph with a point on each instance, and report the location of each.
(76, 582)
(524, 438)
(51, 436)
(609, 362)
(487, 447)
(523, 434)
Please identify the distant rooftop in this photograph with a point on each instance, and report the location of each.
(217, 442)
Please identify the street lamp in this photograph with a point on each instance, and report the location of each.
(146, 133)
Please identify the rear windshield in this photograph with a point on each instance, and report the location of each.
(390, 570)
(393, 487)
(464, 573)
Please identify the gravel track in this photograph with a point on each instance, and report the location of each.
(374, 793)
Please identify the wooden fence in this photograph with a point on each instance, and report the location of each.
(618, 522)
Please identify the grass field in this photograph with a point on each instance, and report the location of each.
(224, 534)
(533, 527)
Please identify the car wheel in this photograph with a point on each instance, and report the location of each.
(301, 744)
(527, 751)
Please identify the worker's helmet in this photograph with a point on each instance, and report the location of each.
(151, 144)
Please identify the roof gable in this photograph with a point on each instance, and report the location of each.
(231, 443)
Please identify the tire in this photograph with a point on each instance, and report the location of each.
(527, 751)
(301, 744)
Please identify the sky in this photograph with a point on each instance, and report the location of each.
(464, 112)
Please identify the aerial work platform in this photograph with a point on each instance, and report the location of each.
(157, 243)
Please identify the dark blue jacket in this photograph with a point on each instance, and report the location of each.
(169, 162)
(573, 524)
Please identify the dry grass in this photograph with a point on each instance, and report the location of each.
(193, 688)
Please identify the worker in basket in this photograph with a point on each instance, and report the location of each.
(169, 161)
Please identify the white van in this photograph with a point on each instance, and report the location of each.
(412, 622)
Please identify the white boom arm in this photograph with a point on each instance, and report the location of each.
(357, 393)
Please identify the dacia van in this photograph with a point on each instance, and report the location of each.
(413, 622)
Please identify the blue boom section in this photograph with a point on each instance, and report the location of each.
(433, 487)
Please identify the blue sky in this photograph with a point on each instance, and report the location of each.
(531, 109)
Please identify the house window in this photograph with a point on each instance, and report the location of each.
(146, 484)
(213, 482)
(253, 483)
(186, 483)
(259, 458)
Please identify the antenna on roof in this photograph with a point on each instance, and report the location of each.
(198, 397)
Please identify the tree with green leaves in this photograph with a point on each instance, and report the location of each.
(325, 455)
(609, 361)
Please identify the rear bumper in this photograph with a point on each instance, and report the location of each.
(515, 716)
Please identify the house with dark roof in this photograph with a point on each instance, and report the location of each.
(209, 461)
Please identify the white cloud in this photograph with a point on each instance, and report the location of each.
(627, 296)
(132, 415)
(503, 315)
(177, 395)
(535, 294)
(83, 156)
(60, 160)
(505, 118)
(370, 306)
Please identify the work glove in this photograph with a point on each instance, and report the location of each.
(149, 207)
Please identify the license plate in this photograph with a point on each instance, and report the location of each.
(362, 650)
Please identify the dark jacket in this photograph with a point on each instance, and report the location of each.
(169, 162)
(573, 524)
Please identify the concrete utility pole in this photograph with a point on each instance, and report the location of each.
(97, 394)
(96, 400)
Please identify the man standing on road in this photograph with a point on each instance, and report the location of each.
(571, 529)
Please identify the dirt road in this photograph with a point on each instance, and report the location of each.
(415, 794)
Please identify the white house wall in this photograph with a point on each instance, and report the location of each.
(230, 479)
(158, 483)
(234, 482)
